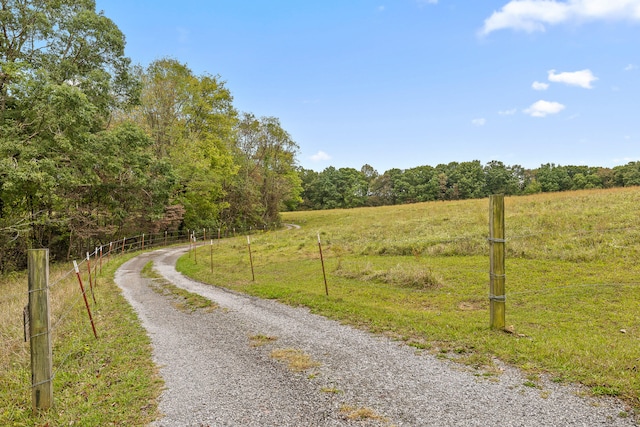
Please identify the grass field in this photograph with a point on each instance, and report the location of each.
(419, 273)
(108, 381)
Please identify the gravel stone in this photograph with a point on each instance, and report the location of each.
(215, 377)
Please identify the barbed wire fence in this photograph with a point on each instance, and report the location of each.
(64, 300)
(90, 268)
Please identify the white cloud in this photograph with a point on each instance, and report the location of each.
(510, 112)
(540, 86)
(421, 2)
(320, 156)
(582, 78)
(536, 15)
(631, 67)
(479, 122)
(543, 108)
(381, 8)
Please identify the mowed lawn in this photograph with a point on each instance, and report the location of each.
(420, 273)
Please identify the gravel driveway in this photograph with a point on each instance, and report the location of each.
(215, 377)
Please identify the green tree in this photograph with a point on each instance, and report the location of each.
(267, 181)
(502, 179)
(191, 122)
(553, 177)
(62, 74)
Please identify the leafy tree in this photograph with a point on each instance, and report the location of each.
(267, 181)
(384, 188)
(353, 187)
(552, 177)
(627, 175)
(191, 121)
(308, 179)
(469, 179)
(62, 74)
(502, 179)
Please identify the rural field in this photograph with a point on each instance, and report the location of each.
(106, 381)
(420, 273)
(417, 273)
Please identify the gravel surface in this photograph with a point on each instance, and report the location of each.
(215, 377)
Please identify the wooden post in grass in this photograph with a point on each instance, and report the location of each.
(497, 297)
(39, 321)
(211, 254)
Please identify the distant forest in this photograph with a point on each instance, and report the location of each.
(349, 188)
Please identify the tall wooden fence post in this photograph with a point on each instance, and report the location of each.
(39, 321)
(497, 299)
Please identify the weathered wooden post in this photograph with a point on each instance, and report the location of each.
(497, 299)
(39, 321)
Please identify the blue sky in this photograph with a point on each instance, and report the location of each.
(404, 83)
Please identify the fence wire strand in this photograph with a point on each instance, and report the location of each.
(128, 244)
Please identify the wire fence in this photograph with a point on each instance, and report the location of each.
(557, 246)
(90, 268)
(67, 292)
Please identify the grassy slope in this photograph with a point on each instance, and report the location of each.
(416, 272)
(109, 381)
(420, 273)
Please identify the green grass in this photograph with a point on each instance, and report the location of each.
(183, 300)
(419, 273)
(109, 381)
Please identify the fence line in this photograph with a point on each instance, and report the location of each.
(149, 241)
(71, 303)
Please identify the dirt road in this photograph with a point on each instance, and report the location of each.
(215, 374)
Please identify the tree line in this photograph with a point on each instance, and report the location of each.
(349, 188)
(93, 148)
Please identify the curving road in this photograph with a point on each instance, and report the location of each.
(215, 377)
